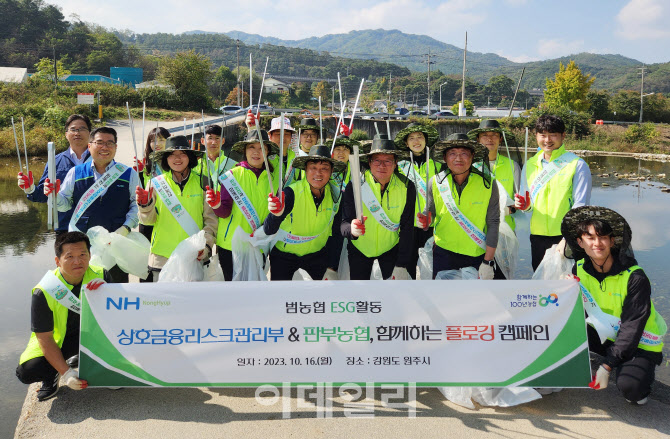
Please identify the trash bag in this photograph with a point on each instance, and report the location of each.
(458, 395)
(426, 260)
(467, 273)
(507, 250)
(183, 264)
(301, 274)
(553, 266)
(130, 253)
(213, 271)
(248, 255)
(490, 397)
(343, 267)
(376, 273)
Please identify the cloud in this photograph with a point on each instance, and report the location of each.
(559, 47)
(644, 20)
(522, 59)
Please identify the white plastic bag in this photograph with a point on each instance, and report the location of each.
(490, 397)
(213, 272)
(507, 250)
(467, 273)
(248, 254)
(130, 253)
(426, 260)
(183, 264)
(343, 267)
(376, 273)
(553, 266)
(301, 274)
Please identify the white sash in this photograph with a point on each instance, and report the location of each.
(607, 325)
(376, 209)
(55, 288)
(470, 229)
(414, 177)
(241, 200)
(95, 191)
(548, 172)
(174, 206)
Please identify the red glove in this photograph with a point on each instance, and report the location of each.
(251, 119)
(358, 227)
(424, 220)
(276, 206)
(143, 197)
(26, 182)
(213, 198)
(139, 166)
(49, 187)
(521, 202)
(94, 284)
(344, 129)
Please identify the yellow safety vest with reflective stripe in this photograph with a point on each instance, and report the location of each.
(503, 172)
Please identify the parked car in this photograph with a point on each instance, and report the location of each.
(441, 114)
(401, 111)
(377, 115)
(263, 108)
(417, 113)
(230, 109)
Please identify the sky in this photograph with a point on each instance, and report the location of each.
(520, 30)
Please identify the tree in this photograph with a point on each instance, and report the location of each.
(45, 69)
(188, 73)
(223, 82)
(600, 104)
(232, 98)
(469, 108)
(569, 88)
(499, 87)
(322, 89)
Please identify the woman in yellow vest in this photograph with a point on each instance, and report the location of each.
(623, 325)
(385, 231)
(464, 202)
(175, 204)
(307, 219)
(245, 185)
(418, 138)
(53, 347)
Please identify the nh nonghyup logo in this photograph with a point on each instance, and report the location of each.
(551, 299)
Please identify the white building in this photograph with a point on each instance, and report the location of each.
(273, 85)
(13, 74)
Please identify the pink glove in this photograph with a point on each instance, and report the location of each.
(424, 220)
(26, 182)
(250, 121)
(144, 197)
(276, 206)
(49, 187)
(94, 284)
(213, 198)
(521, 202)
(139, 166)
(358, 227)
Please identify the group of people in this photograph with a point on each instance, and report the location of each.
(408, 190)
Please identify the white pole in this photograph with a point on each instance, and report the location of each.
(16, 142)
(132, 129)
(358, 96)
(320, 124)
(260, 93)
(251, 82)
(25, 148)
(144, 111)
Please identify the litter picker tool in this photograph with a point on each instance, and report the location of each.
(251, 83)
(144, 113)
(320, 124)
(511, 164)
(16, 142)
(354, 160)
(52, 216)
(427, 167)
(193, 134)
(260, 93)
(376, 128)
(358, 96)
(337, 128)
(388, 128)
(281, 156)
(25, 148)
(132, 129)
(258, 125)
(206, 158)
(525, 153)
(418, 196)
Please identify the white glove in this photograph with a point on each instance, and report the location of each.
(400, 273)
(601, 379)
(71, 379)
(330, 275)
(485, 271)
(122, 231)
(357, 228)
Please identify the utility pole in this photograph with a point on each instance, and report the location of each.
(428, 61)
(461, 106)
(332, 105)
(642, 95)
(388, 100)
(238, 73)
(55, 69)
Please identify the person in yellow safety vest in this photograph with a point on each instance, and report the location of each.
(385, 231)
(309, 134)
(623, 328)
(215, 159)
(274, 135)
(553, 181)
(53, 349)
(175, 204)
(245, 185)
(464, 202)
(418, 138)
(307, 218)
(344, 147)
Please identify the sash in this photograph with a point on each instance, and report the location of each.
(414, 177)
(376, 209)
(607, 325)
(470, 229)
(241, 200)
(95, 191)
(55, 288)
(548, 172)
(171, 201)
(290, 173)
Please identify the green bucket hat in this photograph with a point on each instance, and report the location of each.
(487, 125)
(318, 153)
(309, 123)
(343, 140)
(459, 140)
(381, 144)
(429, 132)
(252, 137)
(621, 232)
(175, 143)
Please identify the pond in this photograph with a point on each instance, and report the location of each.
(26, 251)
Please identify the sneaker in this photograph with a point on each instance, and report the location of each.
(643, 401)
(48, 389)
(548, 390)
(73, 361)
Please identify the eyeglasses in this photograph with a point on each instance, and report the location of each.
(309, 135)
(77, 130)
(379, 162)
(463, 155)
(108, 144)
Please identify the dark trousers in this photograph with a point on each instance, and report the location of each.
(283, 264)
(539, 244)
(420, 238)
(447, 260)
(226, 262)
(38, 369)
(635, 376)
(117, 276)
(360, 266)
(147, 231)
